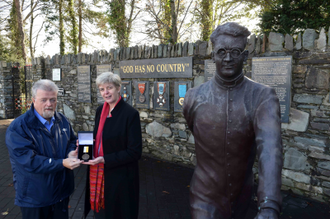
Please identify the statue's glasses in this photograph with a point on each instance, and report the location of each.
(234, 53)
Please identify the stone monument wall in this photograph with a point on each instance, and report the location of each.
(165, 134)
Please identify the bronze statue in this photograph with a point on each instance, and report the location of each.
(233, 119)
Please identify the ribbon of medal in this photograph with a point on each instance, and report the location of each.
(182, 93)
(142, 87)
(125, 94)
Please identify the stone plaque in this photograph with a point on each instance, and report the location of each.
(84, 83)
(157, 68)
(142, 94)
(56, 74)
(180, 89)
(126, 91)
(210, 69)
(99, 70)
(162, 95)
(275, 72)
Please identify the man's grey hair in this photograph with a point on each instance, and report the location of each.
(45, 85)
(108, 77)
(232, 29)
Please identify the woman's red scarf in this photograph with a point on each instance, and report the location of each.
(96, 172)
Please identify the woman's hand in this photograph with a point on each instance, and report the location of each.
(95, 161)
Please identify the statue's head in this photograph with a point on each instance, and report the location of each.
(229, 41)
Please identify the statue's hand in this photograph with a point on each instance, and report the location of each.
(267, 213)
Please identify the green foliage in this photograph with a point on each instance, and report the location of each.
(166, 18)
(118, 22)
(211, 13)
(70, 17)
(14, 33)
(73, 33)
(10, 47)
(206, 21)
(169, 21)
(292, 17)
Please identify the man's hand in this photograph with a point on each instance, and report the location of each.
(73, 154)
(267, 213)
(71, 163)
(95, 161)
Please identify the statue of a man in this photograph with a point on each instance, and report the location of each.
(233, 119)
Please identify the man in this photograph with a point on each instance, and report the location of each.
(233, 119)
(41, 145)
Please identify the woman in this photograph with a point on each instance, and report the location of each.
(112, 190)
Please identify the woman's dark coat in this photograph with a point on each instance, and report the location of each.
(122, 147)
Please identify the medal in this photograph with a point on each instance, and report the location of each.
(85, 157)
(125, 95)
(182, 93)
(142, 87)
(161, 86)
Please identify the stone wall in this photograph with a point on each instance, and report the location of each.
(165, 135)
(9, 89)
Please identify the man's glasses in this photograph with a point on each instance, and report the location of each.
(234, 53)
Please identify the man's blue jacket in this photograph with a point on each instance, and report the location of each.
(36, 156)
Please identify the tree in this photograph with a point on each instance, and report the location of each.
(20, 28)
(206, 21)
(74, 30)
(118, 21)
(211, 13)
(90, 13)
(295, 16)
(61, 27)
(32, 36)
(9, 26)
(168, 23)
(62, 13)
(5, 52)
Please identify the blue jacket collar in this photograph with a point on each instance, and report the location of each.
(33, 122)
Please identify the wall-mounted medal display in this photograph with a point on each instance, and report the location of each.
(142, 94)
(126, 91)
(180, 90)
(162, 95)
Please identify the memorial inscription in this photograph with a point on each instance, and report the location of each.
(99, 70)
(275, 72)
(157, 68)
(84, 83)
(210, 69)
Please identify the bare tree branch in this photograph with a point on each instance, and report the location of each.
(32, 10)
(185, 16)
(35, 42)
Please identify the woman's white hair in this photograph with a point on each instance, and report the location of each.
(108, 77)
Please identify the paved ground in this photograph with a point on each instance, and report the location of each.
(164, 192)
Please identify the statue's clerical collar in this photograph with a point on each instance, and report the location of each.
(228, 83)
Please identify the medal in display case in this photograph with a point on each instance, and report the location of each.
(85, 150)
